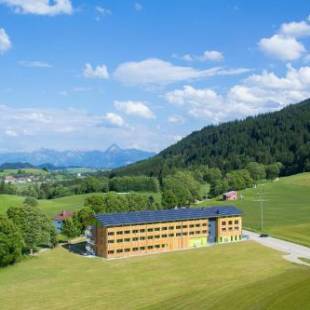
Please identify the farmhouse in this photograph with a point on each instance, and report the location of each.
(59, 219)
(232, 195)
(144, 232)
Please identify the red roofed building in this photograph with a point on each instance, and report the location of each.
(59, 218)
(232, 195)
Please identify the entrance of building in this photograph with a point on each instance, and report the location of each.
(212, 231)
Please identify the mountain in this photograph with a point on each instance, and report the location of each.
(282, 136)
(113, 157)
(16, 166)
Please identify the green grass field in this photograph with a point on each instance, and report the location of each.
(33, 171)
(53, 206)
(286, 207)
(232, 276)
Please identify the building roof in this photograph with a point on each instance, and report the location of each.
(230, 193)
(169, 215)
(63, 215)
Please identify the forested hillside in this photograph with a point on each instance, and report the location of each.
(282, 136)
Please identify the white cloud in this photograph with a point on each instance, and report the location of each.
(138, 108)
(285, 44)
(40, 7)
(35, 64)
(212, 56)
(258, 93)
(176, 119)
(99, 72)
(295, 29)
(154, 71)
(103, 11)
(138, 6)
(282, 47)
(5, 42)
(114, 119)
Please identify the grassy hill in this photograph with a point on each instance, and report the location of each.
(53, 206)
(286, 207)
(233, 276)
(282, 136)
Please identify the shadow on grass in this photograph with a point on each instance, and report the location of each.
(76, 248)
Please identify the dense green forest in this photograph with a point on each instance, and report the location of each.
(282, 136)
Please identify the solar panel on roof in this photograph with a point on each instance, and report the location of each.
(168, 215)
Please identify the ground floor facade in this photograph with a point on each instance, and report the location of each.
(148, 238)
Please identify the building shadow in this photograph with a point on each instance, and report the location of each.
(76, 248)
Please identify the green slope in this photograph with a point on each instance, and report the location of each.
(286, 207)
(233, 276)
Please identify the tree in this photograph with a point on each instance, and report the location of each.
(34, 226)
(30, 201)
(70, 228)
(218, 187)
(212, 175)
(85, 217)
(11, 242)
(273, 170)
(169, 199)
(256, 170)
(95, 202)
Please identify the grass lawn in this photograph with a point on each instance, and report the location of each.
(53, 206)
(232, 276)
(286, 207)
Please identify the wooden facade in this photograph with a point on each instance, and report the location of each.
(140, 239)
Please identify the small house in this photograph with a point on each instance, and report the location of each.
(59, 219)
(232, 195)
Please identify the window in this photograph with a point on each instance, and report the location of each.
(142, 248)
(157, 236)
(204, 231)
(142, 238)
(111, 252)
(135, 249)
(150, 237)
(184, 234)
(191, 226)
(223, 223)
(197, 232)
(135, 239)
(236, 222)
(150, 229)
(127, 250)
(184, 226)
(111, 233)
(127, 231)
(157, 229)
(110, 241)
(197, 225)
(236, 227)
(230, 228)
(150, 247)
(119, 251)
(163, 245)
(164, 236)
(204, 224)
(157, 246)
(135, 231)
(164, 228)
(191, 233)
(229, 222)
(120, 232)
(171, 227)
(119, 240)
(178, 234)
(224, 229)
(142, 230)
(178, 227)
(171, 235)
(127, 239)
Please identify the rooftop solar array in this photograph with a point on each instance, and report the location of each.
(169, 215)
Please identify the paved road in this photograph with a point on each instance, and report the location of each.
(293, 251)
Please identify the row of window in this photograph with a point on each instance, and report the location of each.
(230, 222)
(135, 231)
(191, 233)
(230, 228)
(135, 249)
(232, 238)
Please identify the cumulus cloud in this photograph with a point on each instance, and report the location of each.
(99, 72)
(176, 119)
(34, 64)
(211, 55)
(5, 42)
(138, 6)
(256, 94)
(154, 71)
(285, 44)
(137, 108)
(114, 119)
(40, 7)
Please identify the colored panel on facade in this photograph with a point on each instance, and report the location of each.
(198, 242)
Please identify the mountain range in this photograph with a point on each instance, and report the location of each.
(281, 136)
(112, 157)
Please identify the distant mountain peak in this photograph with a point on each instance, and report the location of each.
(113, 148)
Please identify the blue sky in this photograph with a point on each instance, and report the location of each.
(86, 74)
